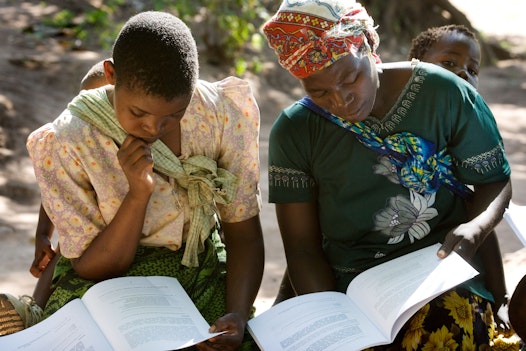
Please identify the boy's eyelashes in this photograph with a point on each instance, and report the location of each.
(137, 113)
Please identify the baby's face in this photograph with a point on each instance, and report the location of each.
(456, 53)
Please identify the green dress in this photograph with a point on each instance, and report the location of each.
(366, 216)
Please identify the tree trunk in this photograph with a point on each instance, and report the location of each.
(399, 21)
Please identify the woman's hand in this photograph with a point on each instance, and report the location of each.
(462, 240)
(136, 160)
(233, 327)
(484, 213)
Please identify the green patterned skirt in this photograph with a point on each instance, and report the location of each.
(206, 284)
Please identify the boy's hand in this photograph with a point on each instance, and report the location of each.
(136, 160)
(234, 329)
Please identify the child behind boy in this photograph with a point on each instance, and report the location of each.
(455, 48)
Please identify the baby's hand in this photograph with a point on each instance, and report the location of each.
(44, 252)
(502, 320)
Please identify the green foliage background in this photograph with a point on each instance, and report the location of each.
(225, 29)
(228, 31)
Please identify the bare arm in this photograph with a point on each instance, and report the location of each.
(245, 260)
(308, 268)
(43, 248)
(486, 211)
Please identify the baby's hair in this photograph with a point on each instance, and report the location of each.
(426, 39)
(155, 53)
(95, 77)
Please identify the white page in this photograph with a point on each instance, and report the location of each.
(515, 215)
(450, 272)
(387, 290)
(71, 328)
(152, 313)
(327, 321)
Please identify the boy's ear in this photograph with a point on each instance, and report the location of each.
(109, 71)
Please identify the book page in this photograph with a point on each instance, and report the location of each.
(405, 284)
(148, 313)
(327, 321)
(70, 328)
(515, 215)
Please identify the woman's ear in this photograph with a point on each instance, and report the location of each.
(109, 71)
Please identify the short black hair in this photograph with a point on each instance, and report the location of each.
(426, 39)
(156, 53)
(94, 77)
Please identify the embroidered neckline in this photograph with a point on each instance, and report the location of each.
(403, 104)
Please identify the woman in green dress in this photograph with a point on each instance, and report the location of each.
(372, 163)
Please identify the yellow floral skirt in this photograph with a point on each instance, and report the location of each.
(456, 320)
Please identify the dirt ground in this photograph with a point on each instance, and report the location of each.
(38, 76)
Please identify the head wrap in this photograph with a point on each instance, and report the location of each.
(309, 35)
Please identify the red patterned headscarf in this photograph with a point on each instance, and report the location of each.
(309, 35)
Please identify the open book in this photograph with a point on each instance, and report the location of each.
(127, 313)
(377, 304)
(515, 215)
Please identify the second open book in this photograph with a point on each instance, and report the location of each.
(377, 304)
(127, 313)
